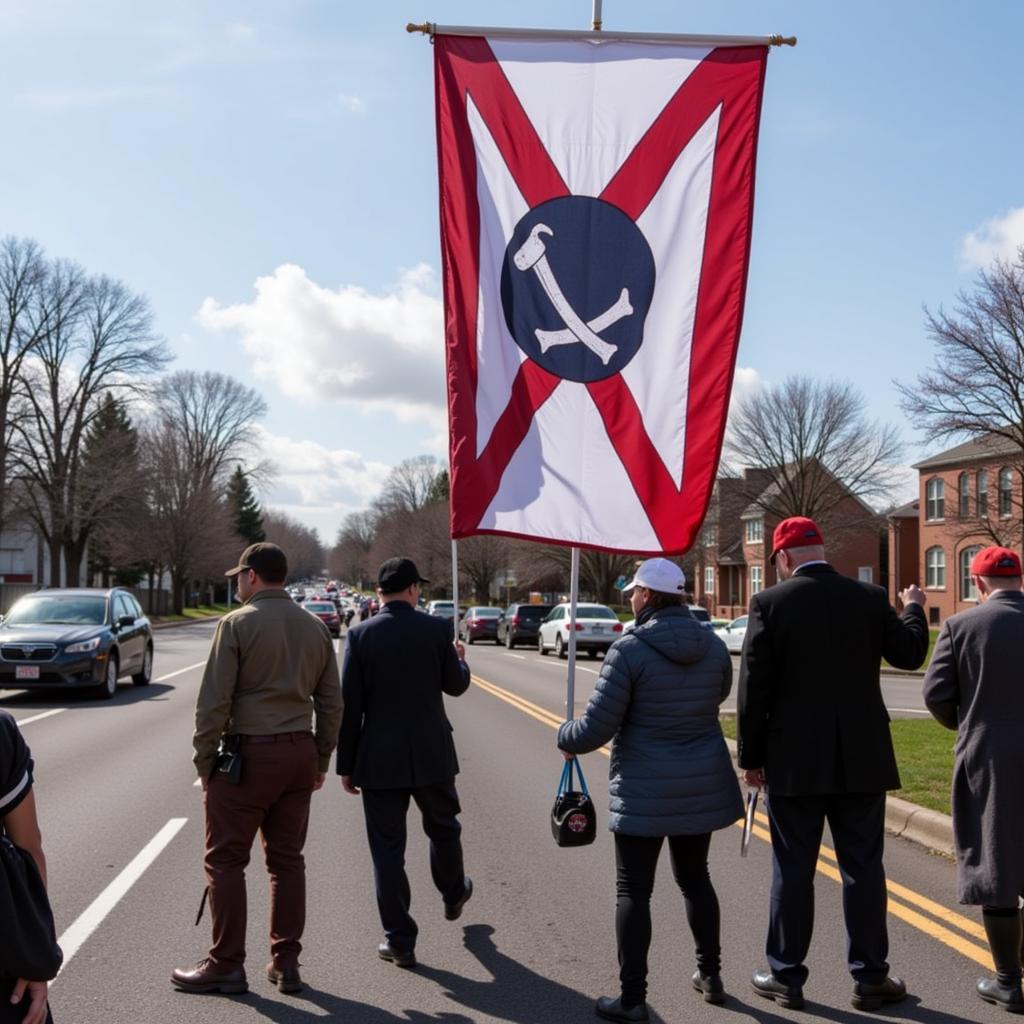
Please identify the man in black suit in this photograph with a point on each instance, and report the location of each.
(395, 742)
(813, 728)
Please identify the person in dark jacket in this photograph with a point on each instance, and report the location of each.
(973, 684)
(395, 742)
(671, 776)
(812, 725)
(22, 1001)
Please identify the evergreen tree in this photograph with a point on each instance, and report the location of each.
(245, 509)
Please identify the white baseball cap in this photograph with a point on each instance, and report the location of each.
(658, 574)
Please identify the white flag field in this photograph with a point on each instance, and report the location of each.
(596, 207)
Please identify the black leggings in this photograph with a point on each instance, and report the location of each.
(636, 860)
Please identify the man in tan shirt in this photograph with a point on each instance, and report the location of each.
(271, 666)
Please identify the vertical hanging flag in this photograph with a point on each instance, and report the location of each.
(596, 204)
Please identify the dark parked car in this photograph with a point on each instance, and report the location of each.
(479, 623)
(519, 624)
(76, 638)
(327, 614)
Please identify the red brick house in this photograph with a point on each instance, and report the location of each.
(732, 563)
(970, 497)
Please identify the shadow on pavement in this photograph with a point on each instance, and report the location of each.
(911, 1009)
(335, 1008)
(516, 993)
(79, 697)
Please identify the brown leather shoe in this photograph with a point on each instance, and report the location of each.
(204, 978)
(287, 979)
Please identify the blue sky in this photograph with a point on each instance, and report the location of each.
(197, 148)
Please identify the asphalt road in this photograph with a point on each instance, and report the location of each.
(122, 825)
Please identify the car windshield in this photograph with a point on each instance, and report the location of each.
(444, 606)
(319, 606)
(594, 611)
(486, 613)
(70, 611)
(533, 611)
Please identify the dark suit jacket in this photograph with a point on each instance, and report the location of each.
(394, 732)
(810, 705)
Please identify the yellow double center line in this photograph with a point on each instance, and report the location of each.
(827, 862)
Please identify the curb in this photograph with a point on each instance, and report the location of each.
(927, 828)
(186, 622)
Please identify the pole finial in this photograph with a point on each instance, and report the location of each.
(427, 28)
(782, 40)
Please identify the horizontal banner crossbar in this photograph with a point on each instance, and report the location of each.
(495, 32)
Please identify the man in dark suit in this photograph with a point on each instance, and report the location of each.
(395, 742)
(973, 685)
(813, 728)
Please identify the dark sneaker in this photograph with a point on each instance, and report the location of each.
(287, 979)
(612, 1009)
(1007, 997)
(871, 997)
(453, 911)
(205, 979)
(766, 984)
(395, 956)
(710, 985)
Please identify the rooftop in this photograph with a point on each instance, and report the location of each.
(990, 446)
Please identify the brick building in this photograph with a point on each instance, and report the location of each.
(732, 563)
(904, 548)
(970, 497)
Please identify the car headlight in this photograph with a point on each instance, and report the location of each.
(83, 647)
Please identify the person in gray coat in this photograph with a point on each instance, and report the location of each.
(973, 685)
(671, 775)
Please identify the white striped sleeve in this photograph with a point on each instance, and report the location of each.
(9, 799)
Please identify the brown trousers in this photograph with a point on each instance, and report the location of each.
(278, 774)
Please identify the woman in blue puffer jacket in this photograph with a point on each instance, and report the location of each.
(671, 775)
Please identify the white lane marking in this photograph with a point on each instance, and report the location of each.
(91, 918)
(909, 711)
(36, 718)
(520, 657)
(337, 645)
(180, 672)
(198, 782)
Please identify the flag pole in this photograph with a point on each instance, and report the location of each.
(430, 28)
(455, 589)
(574, 589)
(595, 21)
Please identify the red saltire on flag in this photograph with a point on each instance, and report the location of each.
(596, 206)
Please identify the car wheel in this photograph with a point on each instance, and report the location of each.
(541, 649)
(108, 687)
(509, 644)
(143, 677)
(560, 650)
(469, 640)
(594, 653)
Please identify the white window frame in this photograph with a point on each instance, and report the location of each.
(968, 591)
(754, 531)
(963, 495)
(709, 580)
(935, 499)
(981, 485)
(1005, 507)
(935, 568)
(756, 579)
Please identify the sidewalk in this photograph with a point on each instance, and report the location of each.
(927, 828)
(184, 622)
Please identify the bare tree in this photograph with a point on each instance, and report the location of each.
(815, 445)
(98, 339)
(410, 485)
(350, 557)
(23, 322)
(975, 389)
(482, 558)
(302, 546)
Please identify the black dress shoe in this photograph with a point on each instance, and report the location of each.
(1007, 997)
(710, 985)
(205, 979)
(612, 1009)
(395, 956)
(871, 997)
(453, 911)
(287, 979)
(766, 984)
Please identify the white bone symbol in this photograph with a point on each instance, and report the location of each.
(532, 254)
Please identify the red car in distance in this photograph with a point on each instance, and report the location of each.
(480, 624)
(327, 614)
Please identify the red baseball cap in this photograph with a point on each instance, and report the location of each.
(795, 532)
(995, 561)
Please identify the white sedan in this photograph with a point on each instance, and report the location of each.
(597, 628)
(733, 634)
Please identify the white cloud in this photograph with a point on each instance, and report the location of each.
(353, 104)
(746, 381)
(377, 351)
(998, 237)
(315, 484)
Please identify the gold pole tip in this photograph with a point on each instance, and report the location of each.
(426, 28)
(782, 40)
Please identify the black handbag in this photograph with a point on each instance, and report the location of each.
(573, 819)
(28, 939)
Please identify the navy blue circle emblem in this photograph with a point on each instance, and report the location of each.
(576, 285)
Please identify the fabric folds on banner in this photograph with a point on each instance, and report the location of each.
(596, 205)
